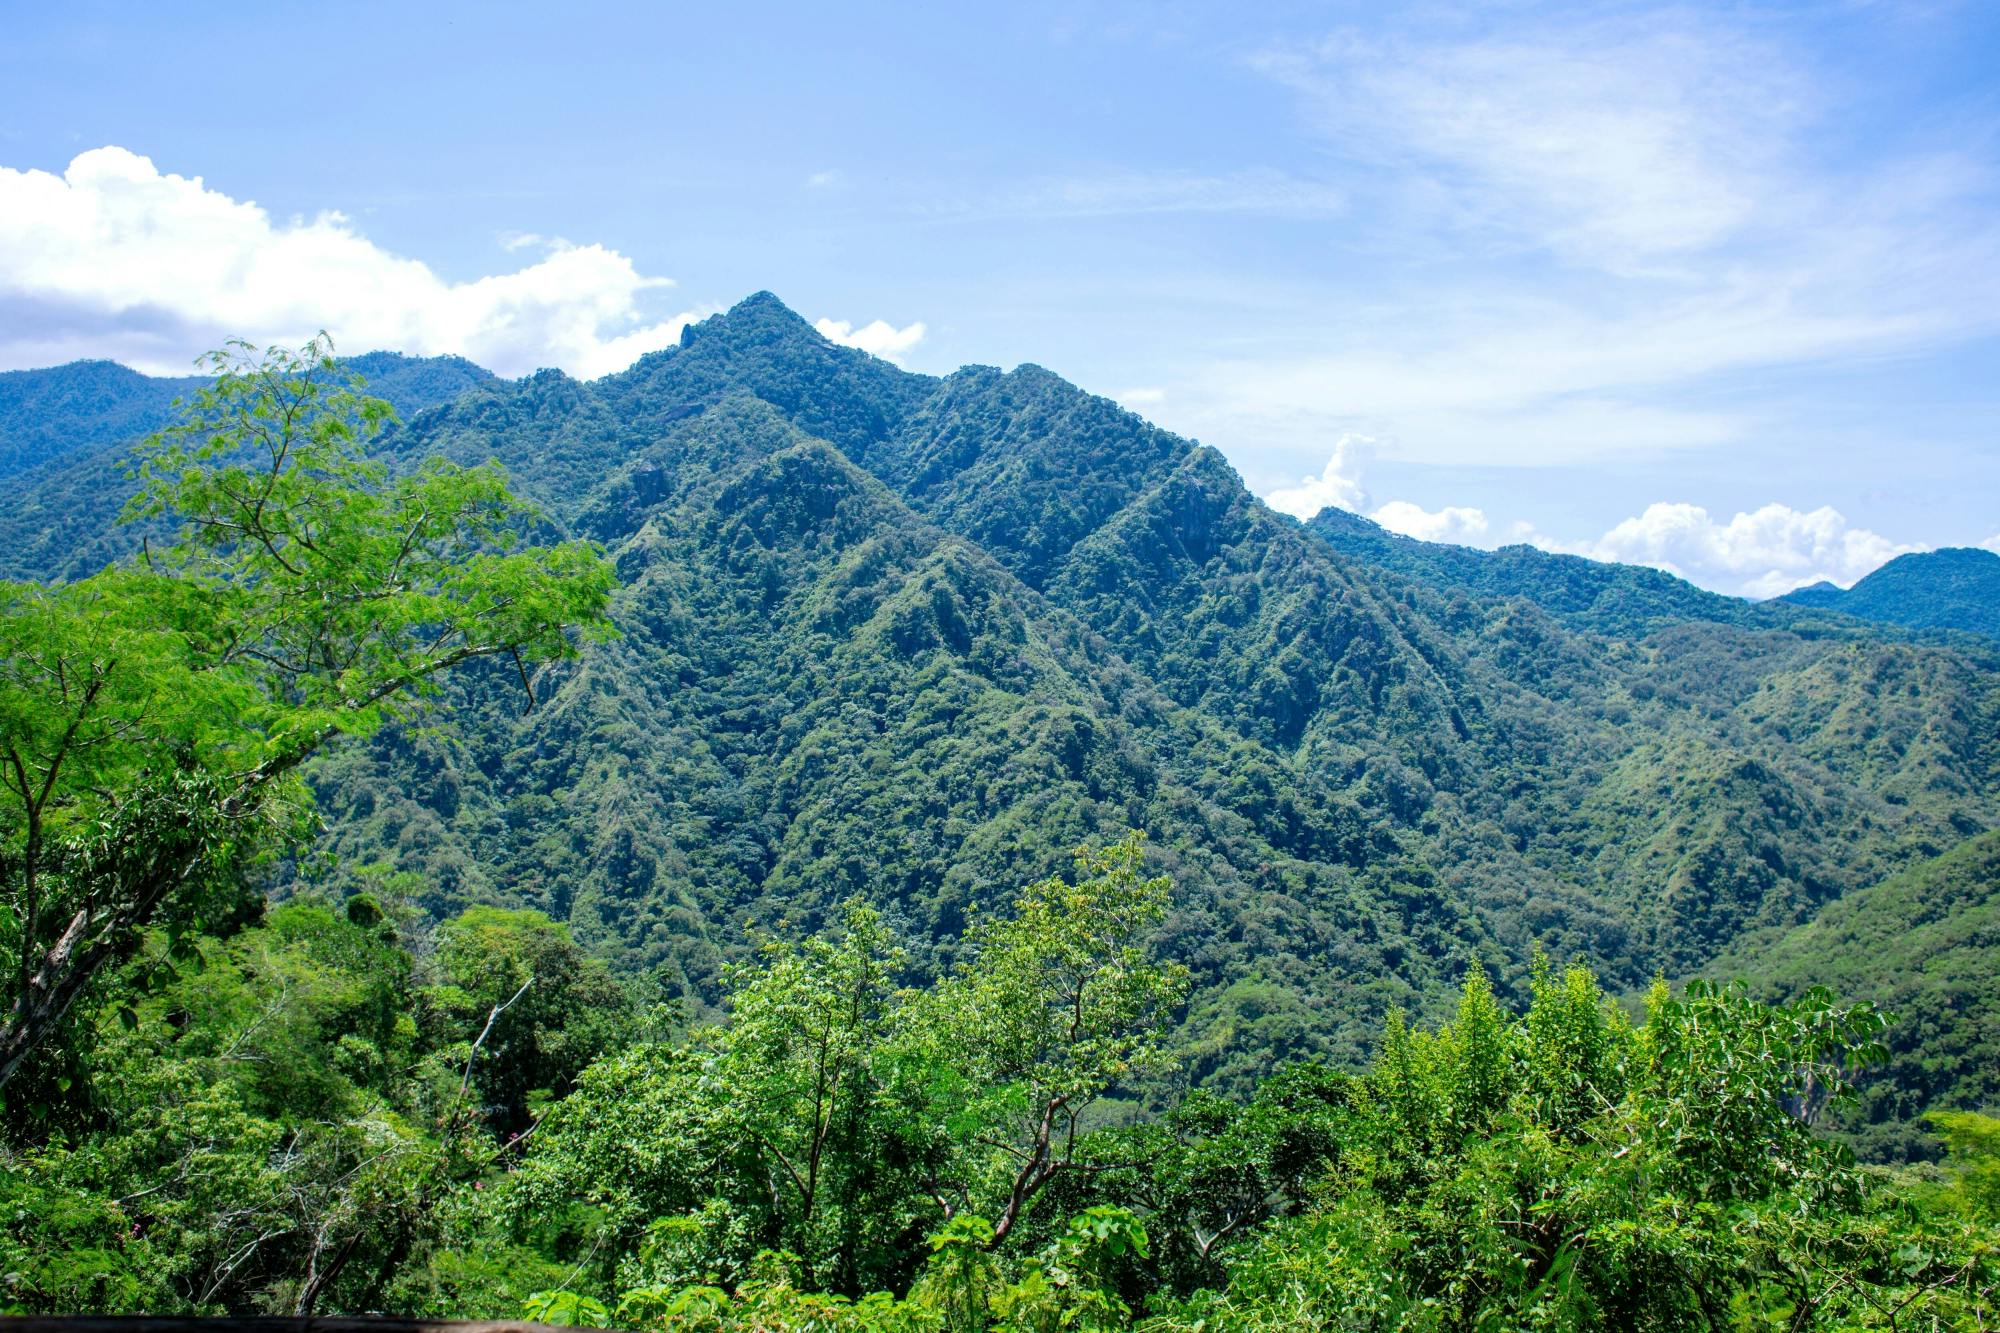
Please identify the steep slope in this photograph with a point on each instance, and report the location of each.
(1233, 609)
(1447, 711)
(913, 637)
(820, 694)
(1924, 945)
(1644, 784)
(1023, 463)
(1955, 588)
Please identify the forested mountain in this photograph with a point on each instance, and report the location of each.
(1611, 599)
(1925, 944)
(724, 913)
(65, 434)
(47, 413)
(911, 638)
(1955, 588)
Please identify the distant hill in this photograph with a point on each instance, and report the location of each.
(914, 637)
(1924, 944)
(64, 433)
(47, 413)
(1822, 593)
(1585, 594)
(1954, 588)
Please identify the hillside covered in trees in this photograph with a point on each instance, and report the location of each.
(1956, 588)
(699, 938)
(915, 638)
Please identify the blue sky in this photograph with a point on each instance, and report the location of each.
(1711, 287)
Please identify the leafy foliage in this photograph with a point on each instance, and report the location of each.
(563, 1007)
(283, 1127)
(1926, 945)
(151, 716)
(704, 992)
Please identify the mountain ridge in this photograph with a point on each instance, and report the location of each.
(912, 637)
(1950, 588)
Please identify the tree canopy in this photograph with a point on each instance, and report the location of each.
(152, 715)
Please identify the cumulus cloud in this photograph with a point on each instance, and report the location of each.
(1992, 543)
(1764, 553)
(115, 258)
(878, 338)
(1141, 396)
(1453, 523)
(1337, 485)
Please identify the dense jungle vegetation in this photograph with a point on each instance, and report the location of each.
(609, 852)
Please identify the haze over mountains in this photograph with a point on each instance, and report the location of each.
(912, 638)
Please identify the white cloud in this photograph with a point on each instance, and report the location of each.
(1142, 396)
(1338, 484)
(114, 257)
(1992, 543)
(1453, 523)
(1575, 229)
(820, 180)
(879, 338)
(1759, 554)
(1618, 143)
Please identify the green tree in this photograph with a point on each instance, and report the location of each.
(1566, 1169)
(1972, 1142)
(802, 1059)
(256, 1137)
(544, 1008)
(1060, 1001)
(838, 1119)
(1208, 1173)
(152, 716)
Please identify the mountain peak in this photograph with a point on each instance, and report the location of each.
(762, 310)
(758, 318)
(1334, 519)
(763, 302)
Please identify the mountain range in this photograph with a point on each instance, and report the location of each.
(913, 638)
(1957, 588)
